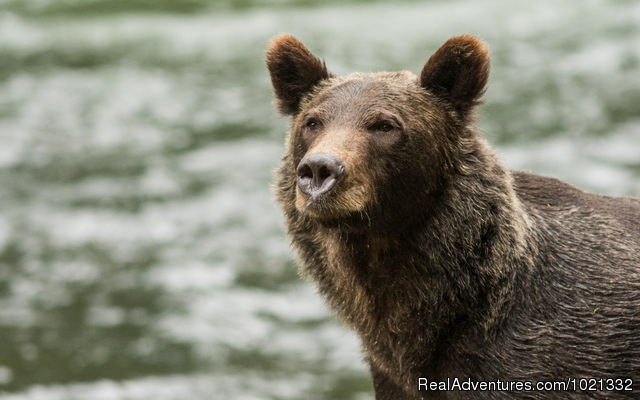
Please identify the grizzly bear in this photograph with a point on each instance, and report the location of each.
(463, 279)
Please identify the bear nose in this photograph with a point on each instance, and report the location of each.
(318, 173)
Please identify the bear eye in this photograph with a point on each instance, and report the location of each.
(385, 127)
(313, 125)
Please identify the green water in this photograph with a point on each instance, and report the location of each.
(141, 255)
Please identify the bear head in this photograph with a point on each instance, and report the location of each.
(372, 148)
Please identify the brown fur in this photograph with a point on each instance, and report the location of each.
(294, 71)
(444, 262)
(458, 72)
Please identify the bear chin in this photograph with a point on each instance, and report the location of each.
(349, 222)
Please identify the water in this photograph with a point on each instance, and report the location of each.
(141, 255)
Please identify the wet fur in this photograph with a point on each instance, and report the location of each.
(444, 262)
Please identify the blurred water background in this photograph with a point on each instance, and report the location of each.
(141, 254)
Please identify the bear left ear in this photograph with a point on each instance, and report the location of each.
(294, 72)
(458, 72)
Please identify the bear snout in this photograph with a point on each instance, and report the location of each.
(318, 174)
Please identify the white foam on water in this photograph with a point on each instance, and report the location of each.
(250, 385)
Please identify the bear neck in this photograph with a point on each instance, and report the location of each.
(411, 294)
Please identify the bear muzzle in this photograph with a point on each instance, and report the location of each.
(318, 174)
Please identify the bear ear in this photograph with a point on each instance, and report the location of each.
(458, 72)
(294, 72)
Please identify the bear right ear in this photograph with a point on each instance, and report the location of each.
(294, 72)
(458, 72)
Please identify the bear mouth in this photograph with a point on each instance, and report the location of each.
(344, 202)
(318, 204)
